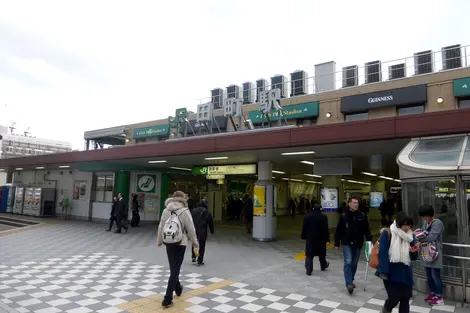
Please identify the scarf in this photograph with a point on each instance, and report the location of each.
(399, 251)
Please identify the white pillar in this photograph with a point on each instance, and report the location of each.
(264, 202)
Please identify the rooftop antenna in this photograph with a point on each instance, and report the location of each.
(12, 127)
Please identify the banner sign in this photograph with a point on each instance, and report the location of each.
(329, 199)
(259, 201)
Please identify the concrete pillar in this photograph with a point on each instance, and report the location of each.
(163, 192)
(264, 204)
(330, 207)
(9, 177)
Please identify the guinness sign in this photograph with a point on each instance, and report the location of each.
(380, 99)
(386, 98)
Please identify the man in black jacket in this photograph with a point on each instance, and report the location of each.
(202, 219)
(112, 217)
(316, 235)
(352, 227)
(121, 214)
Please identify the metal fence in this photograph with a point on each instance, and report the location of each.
(438, 61)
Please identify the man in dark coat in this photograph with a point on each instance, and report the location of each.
(112, 217)
(121, 214)
(202, 219)
(315, 233)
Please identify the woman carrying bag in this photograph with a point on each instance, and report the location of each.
(397, 248)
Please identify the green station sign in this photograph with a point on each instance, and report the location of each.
(462, 87)
(296, 111)
(152, 131)
(199, 170)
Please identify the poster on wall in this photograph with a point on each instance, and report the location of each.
(259, 200)
(146, 183)
(79, 190)
(376, 198)
(329, 199)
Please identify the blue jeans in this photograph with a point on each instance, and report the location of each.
(351, 258)
(434, 281)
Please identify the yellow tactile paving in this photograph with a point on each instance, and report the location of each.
(153, 304)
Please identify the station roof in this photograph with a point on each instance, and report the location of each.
(361, 139)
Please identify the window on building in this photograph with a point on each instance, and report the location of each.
(306, 122)
(464, 103)
(103, 188)
(10, 149)
(409, 110)
(356, 117)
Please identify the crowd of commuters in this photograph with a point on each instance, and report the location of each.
(398, 246)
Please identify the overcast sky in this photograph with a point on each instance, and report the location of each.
(71, 66)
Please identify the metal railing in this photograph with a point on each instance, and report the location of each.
(406, 64)
(463, 259)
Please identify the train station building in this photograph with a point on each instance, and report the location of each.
(402, 139)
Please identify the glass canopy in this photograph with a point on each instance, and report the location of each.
(448, 153)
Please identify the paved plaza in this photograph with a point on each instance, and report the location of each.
(77, 267)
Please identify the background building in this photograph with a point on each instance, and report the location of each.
(17, 145)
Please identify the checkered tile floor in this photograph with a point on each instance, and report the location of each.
(240, 297)
(38, 274)
(80, 284)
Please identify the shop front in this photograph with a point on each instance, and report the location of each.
(436, 171)
(408, 100)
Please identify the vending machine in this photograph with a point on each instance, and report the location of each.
(28, 201)
(7, 198)
(19, 201)
(43, 202)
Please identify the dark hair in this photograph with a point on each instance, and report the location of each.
(316, 207)
(403, 219)
(385, 223)
(426, 211)
(353, 198)
(134, 198)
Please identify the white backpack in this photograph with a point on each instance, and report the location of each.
(173, 230)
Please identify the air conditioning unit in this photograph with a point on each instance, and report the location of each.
(249, 93)
(424, 62)
(217, 96)
(204, 112)
(397, 71)
(298, 83)
(373, 72)
(350, 78)
(261, 85)
(451, 57)
(233, 91)
(280, 82)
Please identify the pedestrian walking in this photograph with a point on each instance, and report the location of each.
(352, 227)
(316, 235)
(202, 219)
(135, 222)
(112, 217)
(176, 231)
(397, 248)
(121, 214)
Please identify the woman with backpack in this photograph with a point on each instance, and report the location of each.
(176, 231)
(397, 248)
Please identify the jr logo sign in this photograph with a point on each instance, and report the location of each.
(146, 183)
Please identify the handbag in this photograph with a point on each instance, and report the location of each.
(429, 251)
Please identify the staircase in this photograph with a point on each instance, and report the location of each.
(9, 222)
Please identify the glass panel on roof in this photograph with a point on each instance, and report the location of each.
(466, 159)
(439, 145)
(436, 159)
